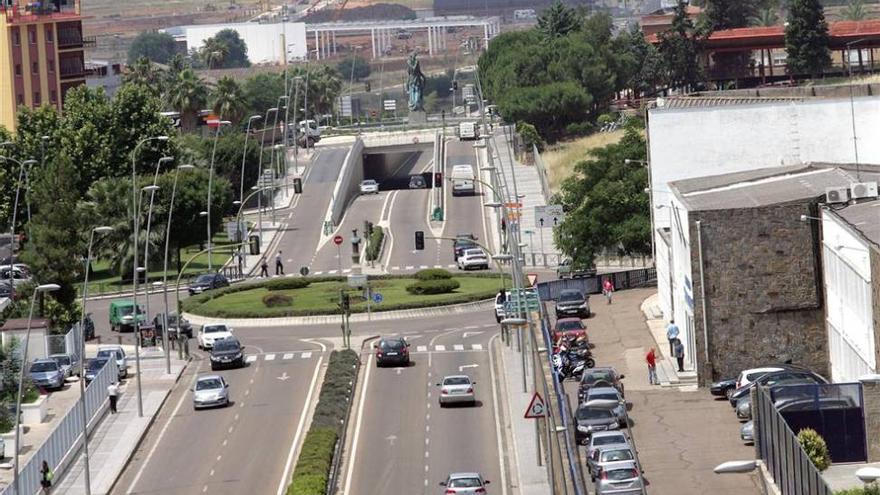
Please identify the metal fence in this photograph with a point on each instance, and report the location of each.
(603, 261)
(628, 279)
(777, 445)
(542, 174)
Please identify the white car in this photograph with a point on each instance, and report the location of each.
(457, 389)
(465, 484)
(211, 333)
(750, 375)
(473, 258)
(369, 186)
(118, 353)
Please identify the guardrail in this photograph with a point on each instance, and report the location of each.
(60, 448)
(628, 279)
(542, 174)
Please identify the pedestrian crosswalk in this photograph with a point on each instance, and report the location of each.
(452, 348)
(279, 356)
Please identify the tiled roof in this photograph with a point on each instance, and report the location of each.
(717, 101)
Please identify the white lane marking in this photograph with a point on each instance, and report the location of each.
(347, 270)
(269, 357)
(438, 266)
(357, 427)
(423, 267)
(395, 268)
(332, 272)
(497, 420)
(422, 348)
(458, 347)
(471, 327)
(287, 355)
(319, 273)
(306, 355)
(282, 484)
(410, 267)
(250, 359)
(440, 348)
(477, 347)
(452, 265)
(146, 461)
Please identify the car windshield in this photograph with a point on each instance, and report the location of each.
(127, 310)
(593, 413)
(391, 344)
(369, 183)
(226, 345)
(609, 440)
(605, 396)
(44, 366)
(215, 328)
(96, 364)
(465, 483)
(62, 360)
(570, 325)
(109, 354)
(754, 376)
(596, 376)
(204, 279)
(457, 380)
(208, 384)
(568, 296)
(619, 474)
(475, 253)
(617, 455)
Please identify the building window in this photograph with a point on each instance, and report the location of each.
(50, 64)
(53, 97)
(32, 37)
(18, 70)
(50, 35)
(16, 38)
(20, 99)
(37, 98)
(35, 68)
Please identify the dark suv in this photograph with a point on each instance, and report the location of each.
(599, 377)
(183, 326)
(207, 281)
(463, 242)
(392, 350)
(572, 302)
(227, 353)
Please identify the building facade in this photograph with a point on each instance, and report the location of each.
(41, 54)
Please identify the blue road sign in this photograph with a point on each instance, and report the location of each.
(377, 298)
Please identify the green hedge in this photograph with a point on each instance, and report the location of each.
(375, 245)
(433, 274)
(271, 300)
(424, 287)
(871, 489)
(287, 283)
(316, 456)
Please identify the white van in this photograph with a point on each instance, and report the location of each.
(524, 14)
(462, 180)
(468, 131)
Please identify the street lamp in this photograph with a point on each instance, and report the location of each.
(610, 405)
(211, 182)
(260, 166)
(244, 153)
(26, 164)
(22, 363)
(852, 108)
(152, 190)
(274, 147)
(185, 166)
(82, 357)
(296, 80)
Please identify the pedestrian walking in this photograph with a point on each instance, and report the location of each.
(279, 266)
(671, 336)
(679, 354)
(46, 476)
(607, 289)
(651, 359)
(113, 394)
(264, 268)
(240, 258)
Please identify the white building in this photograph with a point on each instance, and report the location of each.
(265, 42)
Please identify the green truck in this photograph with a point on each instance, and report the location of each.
(122, 315)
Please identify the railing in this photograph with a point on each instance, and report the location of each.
(534, 258)
(69, 37)
(60, 447)
(792, 470)
(542, 174)
(628, 279)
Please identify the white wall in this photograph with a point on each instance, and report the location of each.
(682, 280)
(847, 277)
(265, 42)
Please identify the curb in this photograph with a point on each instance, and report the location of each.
(287, 321)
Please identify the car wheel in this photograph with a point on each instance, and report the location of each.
(728, 393)
(497, 319)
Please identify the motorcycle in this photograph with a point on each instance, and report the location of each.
(571, 365)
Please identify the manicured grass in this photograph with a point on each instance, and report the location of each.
(321, 297)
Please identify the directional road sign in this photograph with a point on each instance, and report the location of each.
(548, 215)
(377, 298)
(536, 408)
(389, 105)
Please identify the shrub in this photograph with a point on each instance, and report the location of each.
(313, 466)
(375, 245)
(277, 300)
(433, 274)
(869, 489)
(287, 283)
(425, 287)
(579, 128)
(815, 447)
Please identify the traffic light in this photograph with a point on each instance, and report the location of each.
(367, 84)
(420, 240)
(297, 185)
(455, 85)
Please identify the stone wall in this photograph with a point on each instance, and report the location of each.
(871, 398)
(763, 289)
(875, 299)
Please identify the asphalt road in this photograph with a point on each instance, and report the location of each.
(408, 212)
(245, 447)
(464, 214)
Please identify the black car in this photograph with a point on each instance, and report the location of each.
(94, 367)
(770, 379)
(392, 350)
(572, 302)
(462, 243)
(604, 376)
(227, 353)
(723, 388)
(183, 326)
(207, 281)
(6, 288)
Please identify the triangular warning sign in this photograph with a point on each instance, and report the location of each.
(533, 279)
(536, 408)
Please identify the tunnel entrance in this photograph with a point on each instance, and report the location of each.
(397, 170)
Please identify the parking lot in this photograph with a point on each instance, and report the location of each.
(680, 435)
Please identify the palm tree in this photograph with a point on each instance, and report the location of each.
(143, 72)
(765, 18)
(229, 100)
(324, 87)
(188, 95)
(214, 52)
(854, 11)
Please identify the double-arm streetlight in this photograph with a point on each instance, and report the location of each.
(22, 364)
(220, 125)
(23, 168)
(260, 166)
(82, 357)
(278, 105)
(244, 153)
(152, 190)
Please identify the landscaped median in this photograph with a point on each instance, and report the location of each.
(312, 469)
(294, 296)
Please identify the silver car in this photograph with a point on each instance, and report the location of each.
(69, 364)
(602, 438)
(619, 478)
(45, 373)
(465, 484)
(609, 393)
(607, 454)
(210, 391)
(747, 431)
(457, 389)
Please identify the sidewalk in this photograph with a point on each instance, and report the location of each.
(667, 370)
(115, 439)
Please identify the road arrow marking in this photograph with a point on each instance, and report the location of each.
(470, 334)
(391, 439)
(462, 367)
(398, 370)
(284, 377)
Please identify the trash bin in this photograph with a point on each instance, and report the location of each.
(254, 244)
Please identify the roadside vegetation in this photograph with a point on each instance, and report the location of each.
(562, 157)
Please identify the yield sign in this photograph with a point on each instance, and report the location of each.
(533, 279)
(536, 408)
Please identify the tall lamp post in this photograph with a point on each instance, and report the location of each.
(852, 107)
(260, 178)
(220, 125)
(185, 166)
(650, 191)
(152, 190)
(23, 364)
(134, 269)
(22, 173)
(244, 153)
(296, 81)
(82, 355)
(274, 146)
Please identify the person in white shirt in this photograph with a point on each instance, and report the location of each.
(113, 394)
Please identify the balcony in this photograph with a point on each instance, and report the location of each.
(70, 37)
(72, 68)
(24, 13)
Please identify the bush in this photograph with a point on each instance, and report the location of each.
(373, 250)
(579, 129)
(277, 300)
(869, 489)
(815, 447)
(433, 274)
(425, 287)
(313, 466)
(287, 283)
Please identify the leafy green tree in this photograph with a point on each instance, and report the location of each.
(729, 14)
(86, 135)
(550, 107)
(854, 11)
(360, 70)
(188, 95)
(605, 202)
(558, 20)
(228, 99)
(679, 49)
(135, 116)
(236, 49)
(639, 66)
(529, 135)
(32, 125)
(261, 92)
(146, 74)
(806, 38)
(155, 46)
(8, 178)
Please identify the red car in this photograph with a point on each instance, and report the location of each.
(569, 328)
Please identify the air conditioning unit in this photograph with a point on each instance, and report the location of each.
(836, 195)
(863, 190)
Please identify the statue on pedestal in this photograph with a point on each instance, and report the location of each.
(415, 84)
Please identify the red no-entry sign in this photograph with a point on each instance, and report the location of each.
(337, 239)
